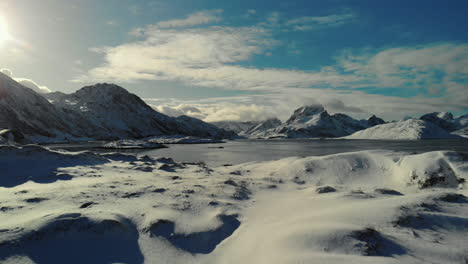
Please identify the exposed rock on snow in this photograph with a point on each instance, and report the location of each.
(411, 129)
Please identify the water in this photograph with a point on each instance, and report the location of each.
(241, 151)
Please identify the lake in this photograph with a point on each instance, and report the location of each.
(241, 151)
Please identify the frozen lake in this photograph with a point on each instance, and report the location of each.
(241, 151)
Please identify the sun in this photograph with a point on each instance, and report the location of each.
(4, 33)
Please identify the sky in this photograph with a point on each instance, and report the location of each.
(247, 59)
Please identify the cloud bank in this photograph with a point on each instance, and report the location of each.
(26, 82)
(432, 76)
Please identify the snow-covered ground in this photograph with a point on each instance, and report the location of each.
(359, 207)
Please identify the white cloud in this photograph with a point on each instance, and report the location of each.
(198, 18)
(210, 57)
(7, 72)
(27, 82)
(282, 105)
(316, 22)
(437, 69)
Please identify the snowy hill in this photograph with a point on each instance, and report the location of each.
(314, 122)
(101, 111)
(411, 129)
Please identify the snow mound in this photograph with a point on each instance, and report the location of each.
(76, 238)
(411, 129)
(370, 168)
(202, 242)
(38, 164)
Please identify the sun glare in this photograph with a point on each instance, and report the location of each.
(4, 33)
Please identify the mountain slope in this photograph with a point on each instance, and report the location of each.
(236, 126)
(443, 120)
(101, 111)
(24, 110)
(412, 129)
(261, 127)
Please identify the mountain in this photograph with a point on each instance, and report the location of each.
(261, 127)
(314, 122)
(443, 120)
(101, 111)
(374, 121)
(462, 132)
(196, 127)
(26, 111)
(412, 129)
(236, 126)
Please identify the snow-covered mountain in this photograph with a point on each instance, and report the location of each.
(248, 128)
(24, 110)
(446, 120)
(412, 129)
(261, 127)
(374, 121)
(443, 120)
(236, 126)
(101, 111)
(314, 122)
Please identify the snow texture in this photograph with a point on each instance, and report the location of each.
(360, 207)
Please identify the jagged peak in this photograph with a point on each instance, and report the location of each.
(442, 115)
(309, 110)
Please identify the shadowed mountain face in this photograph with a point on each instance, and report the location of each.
(101, 111)
(23, 109)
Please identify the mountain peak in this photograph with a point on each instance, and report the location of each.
(105, 88)
(309, 110)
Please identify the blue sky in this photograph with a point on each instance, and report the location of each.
(242, 60)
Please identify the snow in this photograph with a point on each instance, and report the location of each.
(412, 129)
(132, 144)
(361, 207)
(179, 139)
